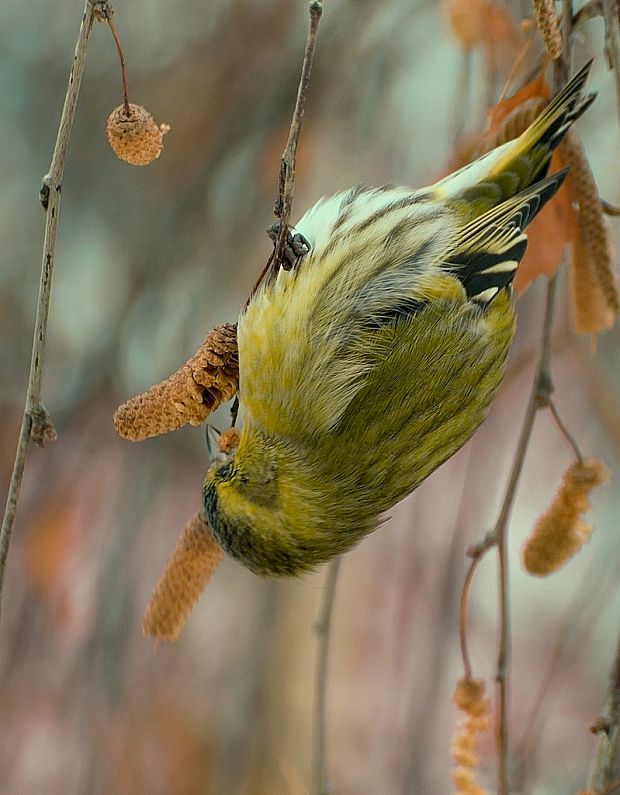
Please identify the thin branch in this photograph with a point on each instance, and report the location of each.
(463, 613)
(611, 12)
(286, 181)
(498, 537)
(610, 209)
(121, 56)
(590, 10)
(284, 203)
(608, 729)
(568, 437)
(36, 425)
(322, 629)
(540, 397)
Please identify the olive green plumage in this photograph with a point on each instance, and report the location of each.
(377, 356)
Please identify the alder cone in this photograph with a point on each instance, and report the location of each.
(135, 137)
(189, 395)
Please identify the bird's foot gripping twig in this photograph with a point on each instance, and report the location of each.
(295, 246)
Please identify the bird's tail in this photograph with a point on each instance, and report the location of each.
(514, 166)
(528, 155)
(508, 191)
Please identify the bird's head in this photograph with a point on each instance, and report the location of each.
(246, 501)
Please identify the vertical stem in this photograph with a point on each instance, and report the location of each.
(611, 12)
(608, 729)
(35, 423)
(541, 389)
(287, 162)
(323, 631)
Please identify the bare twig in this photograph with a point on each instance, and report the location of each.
(608, 729)
(284, 202)
(464, 609)
(539, 397)
(36, 425)
(322, 629)
(590, 10)
(286, 189)
(611, 12)
(569, 438)
(610, 209)
(121, 55)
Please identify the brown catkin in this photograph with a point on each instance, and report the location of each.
(469, 697)
(549, 26)
(560, 532)
(188, 396)
(189, 569)
(135, 137)
(595, 292)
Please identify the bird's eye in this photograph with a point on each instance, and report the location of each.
(225, 472)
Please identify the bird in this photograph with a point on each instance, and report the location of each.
(375, 355)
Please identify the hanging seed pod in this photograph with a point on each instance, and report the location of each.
(134, 136)
(560, 532)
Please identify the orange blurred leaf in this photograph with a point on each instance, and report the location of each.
(484, 23)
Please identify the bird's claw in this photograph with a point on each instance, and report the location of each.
(295, 246)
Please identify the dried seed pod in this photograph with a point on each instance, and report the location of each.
(188, 396)
(189, 569)
(549, 26)
(560, 532)
(595, 289)
(135, 137)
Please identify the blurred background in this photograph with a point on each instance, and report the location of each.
(148, 260)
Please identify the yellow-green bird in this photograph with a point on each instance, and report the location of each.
(375, 358)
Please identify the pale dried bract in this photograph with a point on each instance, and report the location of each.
(185, 577)
(135, 137)
(189, 395)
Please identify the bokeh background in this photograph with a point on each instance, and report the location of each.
(148, 260)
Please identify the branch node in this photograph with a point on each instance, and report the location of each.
(316, 9)
(601, 726)
(543, 390)
(41, 428)
(102, 10)
(476, 551)
(610, 209)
